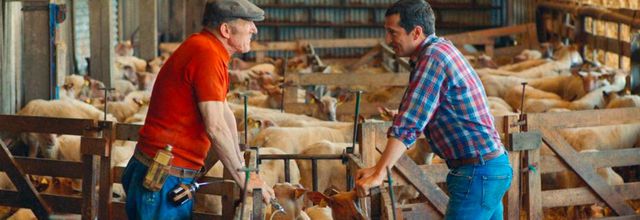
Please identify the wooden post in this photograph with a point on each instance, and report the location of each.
(148, 29)
(512, 198)
(102, 32)
(177, 22)
(36, 75)
(105, 170)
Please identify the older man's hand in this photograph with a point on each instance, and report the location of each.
(367, 178)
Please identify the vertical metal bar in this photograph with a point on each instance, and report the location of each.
(287, 175)
(314, 174)
(355, 123)
(246, 130)
(284, 78)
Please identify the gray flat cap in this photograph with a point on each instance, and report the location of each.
(235, 8)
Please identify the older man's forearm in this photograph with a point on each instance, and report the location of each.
(223, 146)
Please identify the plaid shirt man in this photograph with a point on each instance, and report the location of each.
(445, 100)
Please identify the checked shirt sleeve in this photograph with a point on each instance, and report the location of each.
(420, 101)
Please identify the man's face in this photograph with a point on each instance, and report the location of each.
(397, 37)
(241, 33)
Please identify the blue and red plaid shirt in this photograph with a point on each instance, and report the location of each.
(445, 100)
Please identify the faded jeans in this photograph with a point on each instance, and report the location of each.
(476, 191)
(144, 204)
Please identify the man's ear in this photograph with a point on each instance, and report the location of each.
(225, 30)
(417, 31)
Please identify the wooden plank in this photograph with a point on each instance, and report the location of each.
(436, 171)
(587, 118)
(148, 16)
(128, 132)
(423, 183)
(609, 44)
(473, 36)
(319, 43)
(363, 79)
(366, 109)
(603, 158)
(94, 146)
(533, 204)
(27, 192)
(612, 198)
(13, 123)
(522, 141)
(48, 167)
(106, 180)
(229, 197)
(102, 32)
(58, 203)
(89, 180)
(366, 58)
(584, 195)
(512, 197)
(368, 140)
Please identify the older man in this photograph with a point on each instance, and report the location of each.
(188, 110)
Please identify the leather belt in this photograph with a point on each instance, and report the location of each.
(474, 161)
(172, 170)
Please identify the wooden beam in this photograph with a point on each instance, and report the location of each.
(89, 181)
(424, 184)
(584, 195)
(604, 158)
(362, 79)
(70, 126)
(102, 32)
(27, 192)
(58, 203)
(612, 198)
(48, 167)
(366, 109)
(609, 45)
(365, 59)
(148, 29)
(320, 43)
(587, 118)
(480, 37)
(37, 76)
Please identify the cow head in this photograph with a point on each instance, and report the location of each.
(343, 205)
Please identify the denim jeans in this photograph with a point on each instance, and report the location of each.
(476, 191)
(144, 204)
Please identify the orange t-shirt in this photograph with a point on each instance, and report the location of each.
(195, 72)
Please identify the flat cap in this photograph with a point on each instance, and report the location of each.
(235, 8)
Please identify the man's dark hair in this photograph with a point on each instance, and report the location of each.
(212, 19)
(414, 13)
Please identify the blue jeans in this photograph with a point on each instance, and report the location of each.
(144, 204)
(476, 191)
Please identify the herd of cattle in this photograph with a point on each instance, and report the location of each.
(556, 76)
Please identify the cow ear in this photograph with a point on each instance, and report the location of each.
(318, 198)
(299, 192)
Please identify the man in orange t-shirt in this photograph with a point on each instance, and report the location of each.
(188, 110)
